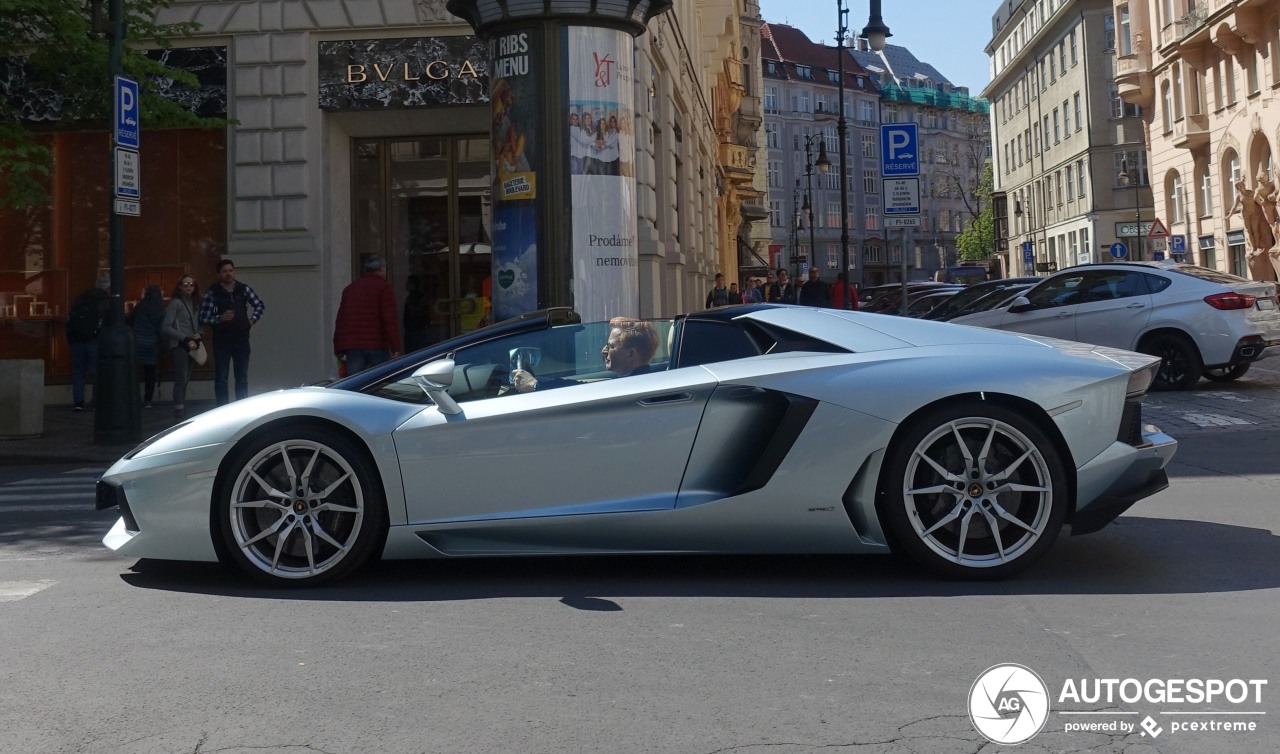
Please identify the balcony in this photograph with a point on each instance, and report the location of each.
(753, 208)
(1134, 81)
(1192, 132)
(735, 160)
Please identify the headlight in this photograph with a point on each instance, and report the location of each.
(1140, 380)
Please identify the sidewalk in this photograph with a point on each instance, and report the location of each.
(68, 437)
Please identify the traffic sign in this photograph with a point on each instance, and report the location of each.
(1158, 230)
(1157, 256)
(1028, 251)
(1119, 250)
(901, 196)
(1178, 244)
(128, 207)
(899, 149)
(1159, 244)
(126, 106)
(128, 176)
(911, 221)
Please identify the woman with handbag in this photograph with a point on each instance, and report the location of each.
(182, 328)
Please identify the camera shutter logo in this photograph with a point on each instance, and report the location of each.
(1009, 704)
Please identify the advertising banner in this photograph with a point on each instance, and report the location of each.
(515, 102)
(601, 125)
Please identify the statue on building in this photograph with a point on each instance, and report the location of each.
(1257, 230)
(1267, 195)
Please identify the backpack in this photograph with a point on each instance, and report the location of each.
(82, 321)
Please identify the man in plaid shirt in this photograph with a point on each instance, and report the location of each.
(231, 308)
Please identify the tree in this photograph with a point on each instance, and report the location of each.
(54, 74)
(978, 238)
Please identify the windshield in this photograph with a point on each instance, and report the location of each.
(556, 356)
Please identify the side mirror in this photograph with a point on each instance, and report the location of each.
(435, 378)
(1021, 304)
(525, 357)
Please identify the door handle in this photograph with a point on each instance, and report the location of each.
(1136, 305)
(667, 399)
(1063, 314)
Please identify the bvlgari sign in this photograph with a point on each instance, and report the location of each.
(376, 74)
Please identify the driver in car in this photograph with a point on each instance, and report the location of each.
(628, 350)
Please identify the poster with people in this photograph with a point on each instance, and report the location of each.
(602, 172)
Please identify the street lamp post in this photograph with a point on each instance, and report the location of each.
(823, 164)
(796, 227)
(875, 32)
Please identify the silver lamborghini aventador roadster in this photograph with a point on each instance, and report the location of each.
(753, 429)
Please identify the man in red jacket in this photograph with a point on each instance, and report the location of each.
(365, 334)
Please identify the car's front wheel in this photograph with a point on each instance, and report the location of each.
(1180, 364)
(301, 506)
(1226, 374)
(974, 491)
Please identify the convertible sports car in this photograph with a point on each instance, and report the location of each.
(757, 429)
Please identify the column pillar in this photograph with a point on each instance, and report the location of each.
(562, 93)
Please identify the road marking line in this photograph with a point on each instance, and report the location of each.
(16, 590)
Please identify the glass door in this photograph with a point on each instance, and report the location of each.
(423, 204)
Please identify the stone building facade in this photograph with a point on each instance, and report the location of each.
(1207, 74)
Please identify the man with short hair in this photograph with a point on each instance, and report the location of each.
(782, 292)
(231, 308)
(815, 292)
(365, 333)
(766, 291)
(719, 295)
(84, 319)
(752, 294)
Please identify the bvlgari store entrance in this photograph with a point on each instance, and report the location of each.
(423, 205)
(414, 115)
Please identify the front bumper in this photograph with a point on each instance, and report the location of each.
(1119, 477)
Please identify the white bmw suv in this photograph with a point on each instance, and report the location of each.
(1199, 321)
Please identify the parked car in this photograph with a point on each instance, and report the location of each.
(1198, 321)
(756, 429)
(965, 274)
(890, 301)
(962, 303)
(918, 306)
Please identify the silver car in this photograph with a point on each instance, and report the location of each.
(1200, 322)
(751, 429)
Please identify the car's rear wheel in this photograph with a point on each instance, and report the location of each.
(974, 491)
(1180, 365)
(1226, 374)
(301, 506)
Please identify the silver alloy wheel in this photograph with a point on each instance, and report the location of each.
(297, 508)
(978, 492)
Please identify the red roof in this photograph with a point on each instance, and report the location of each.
(790, 46)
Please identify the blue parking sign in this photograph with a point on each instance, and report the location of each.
(899, 149)
(1178, 244)
(126, 112)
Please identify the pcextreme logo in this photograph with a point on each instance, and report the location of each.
(1010, 704)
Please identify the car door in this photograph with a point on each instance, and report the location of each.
(1051, 311)
(1114, 308)
(583, 442)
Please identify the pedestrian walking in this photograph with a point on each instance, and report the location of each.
(365, 333)
(181, 329)
(719, 295)
(782, 291)
(815, 292)
(147, 319)
(231, 308)
(842, 289)
(735, 295)
(84, 319)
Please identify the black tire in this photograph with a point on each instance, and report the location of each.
(319, 488)
(1180, 364)
(1226, 374)
(963, 519)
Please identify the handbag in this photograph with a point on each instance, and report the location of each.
(199, 355)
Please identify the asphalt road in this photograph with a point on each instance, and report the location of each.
(105, 654)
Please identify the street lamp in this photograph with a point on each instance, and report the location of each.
(823, 164)
(1133, 179)
(875, 32)
(796, 227)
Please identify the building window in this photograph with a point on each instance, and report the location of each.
(1062, 56)
(1230, 70)
(868, 145)
(1057, 134)
(820, 103)
(1230, 177)
(804, 72)
(771, 96)
(1076, 100)
(1175, 208)
(1057, 179)
(1108, 33)
(1120, 108)
(775, 214)
(1074, 54)
(1132, 162)
(806, 104)
(1206, 191)
(869, 184)
(873, 253)
(1046, 131)
(1126, 38)
(1166, 100)
(867, 112)
(775, 174)
(772, 139)
(1080, 172)
(1071, 184)
(1066, 119)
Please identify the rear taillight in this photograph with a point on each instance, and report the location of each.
(1230, 300)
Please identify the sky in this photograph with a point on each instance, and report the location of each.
(947, 34)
